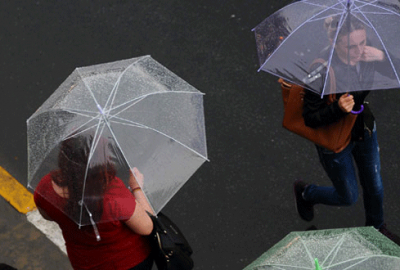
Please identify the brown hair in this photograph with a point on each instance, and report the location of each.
(85, 180)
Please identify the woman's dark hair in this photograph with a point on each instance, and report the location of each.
(86, 181)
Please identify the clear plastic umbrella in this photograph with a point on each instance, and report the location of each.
(336, 249)
(359, 35)
(134, 113)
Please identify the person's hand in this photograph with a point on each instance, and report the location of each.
(371, 54)
(136, 178)
(346, 103)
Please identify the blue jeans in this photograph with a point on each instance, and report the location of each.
(342, 172)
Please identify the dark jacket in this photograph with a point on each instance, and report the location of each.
(318, 113)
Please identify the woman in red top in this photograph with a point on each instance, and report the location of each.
(117, 241)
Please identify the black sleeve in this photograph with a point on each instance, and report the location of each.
(317, 112)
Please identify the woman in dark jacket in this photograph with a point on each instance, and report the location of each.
(354, 64)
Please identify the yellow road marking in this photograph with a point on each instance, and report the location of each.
(15, 193)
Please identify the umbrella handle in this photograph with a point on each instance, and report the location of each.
(359, 111)
(317, 267)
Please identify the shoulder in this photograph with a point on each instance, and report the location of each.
(44, 183)
(43, 190)
(116, 186)
(119, 202)
(118, 193)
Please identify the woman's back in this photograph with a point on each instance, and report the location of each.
(119, 247)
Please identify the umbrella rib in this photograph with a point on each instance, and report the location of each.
(73, 111)
(118, 81)
(82, 131)
(344, 5)
(113, 92)
(308, 251)
(357, 9)
(384, 47)
(134, 102)
(124, 156)
(135, 124)
(289, 80)
(138, 99)
(92, 147)
(284, 41)
(318, 5)
(127, 124)
(334, 249)
(115, 87)
(325, 17)
(67, 137)
(91, 93)
(82, 113)
(342, 19)
(363, 4)
(363, 259)
(356, 264)
(97, 137)
(375, 13)
(117, 84)
(380, 7)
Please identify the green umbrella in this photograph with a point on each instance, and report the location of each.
(336, 249)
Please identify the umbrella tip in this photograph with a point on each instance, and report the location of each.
(317, 267)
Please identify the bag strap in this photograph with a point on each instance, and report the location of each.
(332, 79)
(157, 225)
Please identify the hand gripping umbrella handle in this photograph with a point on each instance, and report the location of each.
(359, 111)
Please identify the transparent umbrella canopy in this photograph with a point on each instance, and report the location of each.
(336, 249)
(292, 38)
(148, 116)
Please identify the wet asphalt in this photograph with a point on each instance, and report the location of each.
(237, 205)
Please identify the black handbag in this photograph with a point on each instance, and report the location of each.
(170, 249)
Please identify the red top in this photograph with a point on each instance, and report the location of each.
(119, 247)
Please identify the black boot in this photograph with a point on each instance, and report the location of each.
(395, 238)
(304, 208)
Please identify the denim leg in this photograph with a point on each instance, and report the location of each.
(341, 171)
(366, 155)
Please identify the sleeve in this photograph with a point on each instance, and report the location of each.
(37, 199)
(120, 202)
(41, 188)
(317, 113)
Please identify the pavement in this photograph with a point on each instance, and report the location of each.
(27, 240)
(236, 206)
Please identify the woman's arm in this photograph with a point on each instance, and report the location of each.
(140, 222)
(317, 112)
(136, 180)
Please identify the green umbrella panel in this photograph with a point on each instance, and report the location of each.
(335, 249)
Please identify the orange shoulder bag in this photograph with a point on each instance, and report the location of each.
(334, 137)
